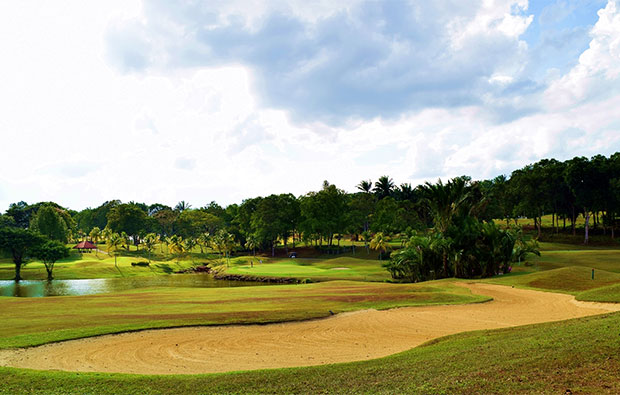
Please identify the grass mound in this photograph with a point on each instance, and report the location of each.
(571, 280)
(604, 294)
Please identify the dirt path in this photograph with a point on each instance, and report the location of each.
(345, 337)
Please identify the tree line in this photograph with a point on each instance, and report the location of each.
(566, 190)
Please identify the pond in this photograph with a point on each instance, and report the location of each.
(40, 288)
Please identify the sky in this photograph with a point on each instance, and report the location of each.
(158, 101)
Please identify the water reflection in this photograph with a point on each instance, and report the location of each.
(40, 288)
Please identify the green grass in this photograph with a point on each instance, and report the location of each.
(604, 294)
(33, 321)
(580, 355)
(603, 259)
(85, 266)
(570, 280)
(341, 268)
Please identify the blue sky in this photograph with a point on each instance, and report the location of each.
(222, 100)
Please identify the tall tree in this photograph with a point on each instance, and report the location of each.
(128, 218)
(114, 242)
(384, 187)
(49, 222)
(21, 213)
(365, 186)
(581, 178)
(182, 206)
(20, 243)
(380, 243)
(49, 252)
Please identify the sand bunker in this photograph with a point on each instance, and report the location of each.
(345, 337)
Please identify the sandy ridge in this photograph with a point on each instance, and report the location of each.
(345, 337)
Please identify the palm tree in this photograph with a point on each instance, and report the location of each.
(126, 241)
(149, 243)
(405, 192)
(182, 206)
(367, 236)
(251, 243)
(94, 234)
(445, 201)
(217, 242)
(114, 242)
(203, 241)
(106, 233)
(384, 187)
(229, 243)
(176, 246)
(189, 245)
(365, 186)
(380, 243)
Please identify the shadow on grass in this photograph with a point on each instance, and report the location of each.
(164, 267)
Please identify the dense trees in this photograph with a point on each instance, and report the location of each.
(452, 218)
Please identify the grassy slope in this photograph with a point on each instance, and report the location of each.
(579, 355)
(603, 294)
(32, 321)
(570, 280)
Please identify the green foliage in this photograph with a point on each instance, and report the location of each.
(324, 213)
(128, 218)
(49, 222)
(193, 223)
(384, 187)
(19, 243)
(95, 234)
(49, 252)
(380, 243)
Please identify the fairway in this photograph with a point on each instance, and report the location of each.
(346, 337)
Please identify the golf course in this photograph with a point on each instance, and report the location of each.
(457, 287)
(435, 336)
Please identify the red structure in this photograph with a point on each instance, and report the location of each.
(85, 246)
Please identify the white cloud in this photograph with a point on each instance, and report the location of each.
(78, 131)
(598, 71)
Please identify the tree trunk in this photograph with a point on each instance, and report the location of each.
(587, 226)
(445, 264)
(564, 226)
(18, 269)
(573, 222)
(49, 273)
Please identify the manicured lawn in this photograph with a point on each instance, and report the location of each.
(342, 268)
(599, 258)
(32, 321)
(577, 355)
(570, 280)
(604, 294)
